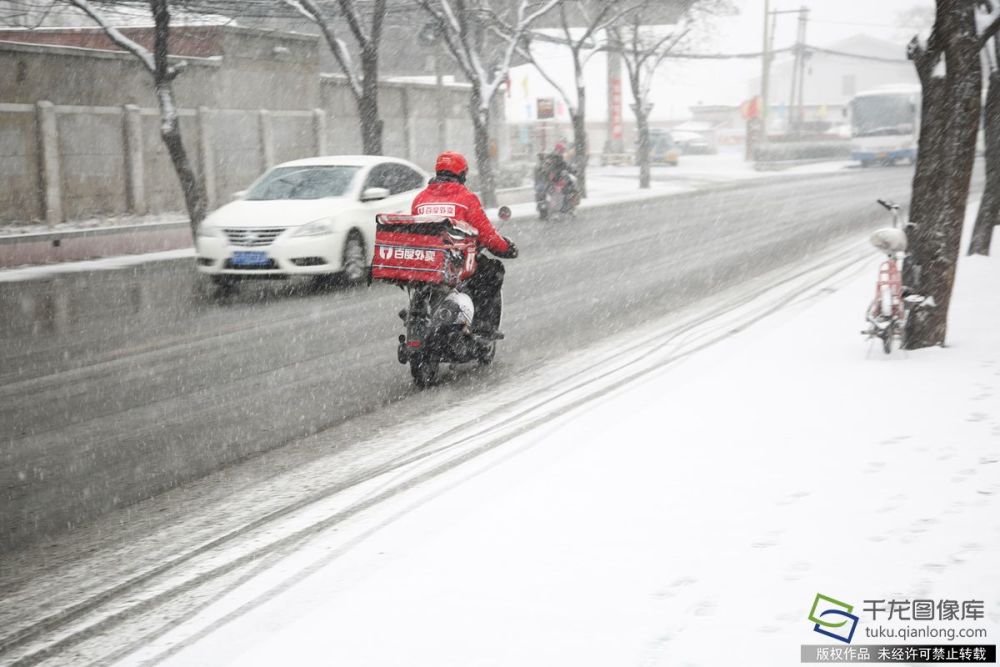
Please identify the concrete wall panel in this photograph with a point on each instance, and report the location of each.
(237, 151)
(19, 196)
(293, 137)
(91, 147)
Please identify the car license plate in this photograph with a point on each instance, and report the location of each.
(241, 258)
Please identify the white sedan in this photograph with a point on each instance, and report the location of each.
(312, 217)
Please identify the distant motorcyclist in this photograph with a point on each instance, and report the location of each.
(552, 168)
(447, 195)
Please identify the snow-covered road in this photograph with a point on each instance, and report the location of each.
(602, 498)
(688, 518)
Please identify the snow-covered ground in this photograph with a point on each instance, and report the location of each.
(687, 518)
(611, 183)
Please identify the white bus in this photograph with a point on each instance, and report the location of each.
(885, 125)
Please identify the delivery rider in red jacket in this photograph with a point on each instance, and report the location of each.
(446, 195)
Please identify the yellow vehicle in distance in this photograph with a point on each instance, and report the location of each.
(662, 148)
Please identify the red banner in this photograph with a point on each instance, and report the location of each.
(617, 129)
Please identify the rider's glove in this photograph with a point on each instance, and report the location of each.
(511, 251)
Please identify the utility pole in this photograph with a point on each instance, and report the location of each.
(796, 51)
(798, 73)
(803, 24)
(615, 143)
(443, 105)
(766, 73)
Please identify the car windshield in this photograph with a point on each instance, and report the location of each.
(304, 182)
(883, 115)
(663, 142)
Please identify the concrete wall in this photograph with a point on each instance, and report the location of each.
(91, 151)
(227, 67)
(19, 166)
(267, 70)
(82, 164)
(419, 119)
(87, 77)
(79, 127)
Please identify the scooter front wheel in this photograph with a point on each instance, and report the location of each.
(486, 355)
(424, 371)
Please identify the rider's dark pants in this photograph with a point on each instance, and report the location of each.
(484, 288)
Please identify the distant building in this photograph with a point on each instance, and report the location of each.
(832, 79)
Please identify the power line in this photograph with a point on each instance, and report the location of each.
(807, 48)
(856, 56)
(898, 26)
(723, 56)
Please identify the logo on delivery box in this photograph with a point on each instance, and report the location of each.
(408, 254)
(436, 209)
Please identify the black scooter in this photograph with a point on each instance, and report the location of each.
(438, 329)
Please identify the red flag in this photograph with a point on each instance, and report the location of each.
(750, 108)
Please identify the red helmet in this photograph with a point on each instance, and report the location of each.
(453, 162)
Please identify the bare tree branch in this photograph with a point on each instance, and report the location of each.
(465, 26)
(312, 12)
(116, 36)
(990, 32)
(350, 13)
(530, 57)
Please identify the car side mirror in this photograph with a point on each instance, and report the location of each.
(374, 194)
(239, 194)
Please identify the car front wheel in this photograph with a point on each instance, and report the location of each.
(353, 266)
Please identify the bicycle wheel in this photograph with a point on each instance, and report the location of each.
(887, 337)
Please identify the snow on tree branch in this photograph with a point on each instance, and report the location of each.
(353, 22)
(463, 27)
(449, 29)
(990, 31)
(116, 36)
(311, 11)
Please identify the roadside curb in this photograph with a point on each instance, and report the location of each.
(780, 165)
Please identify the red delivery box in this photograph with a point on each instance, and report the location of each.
(423, 249)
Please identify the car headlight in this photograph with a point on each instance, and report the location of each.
(208, 230)
(315, 228)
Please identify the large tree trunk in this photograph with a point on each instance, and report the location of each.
(989, 206)
(940, 213)
(581, 142)
(484, 160)
(928, 177)
(642, 150)
(371, 123)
